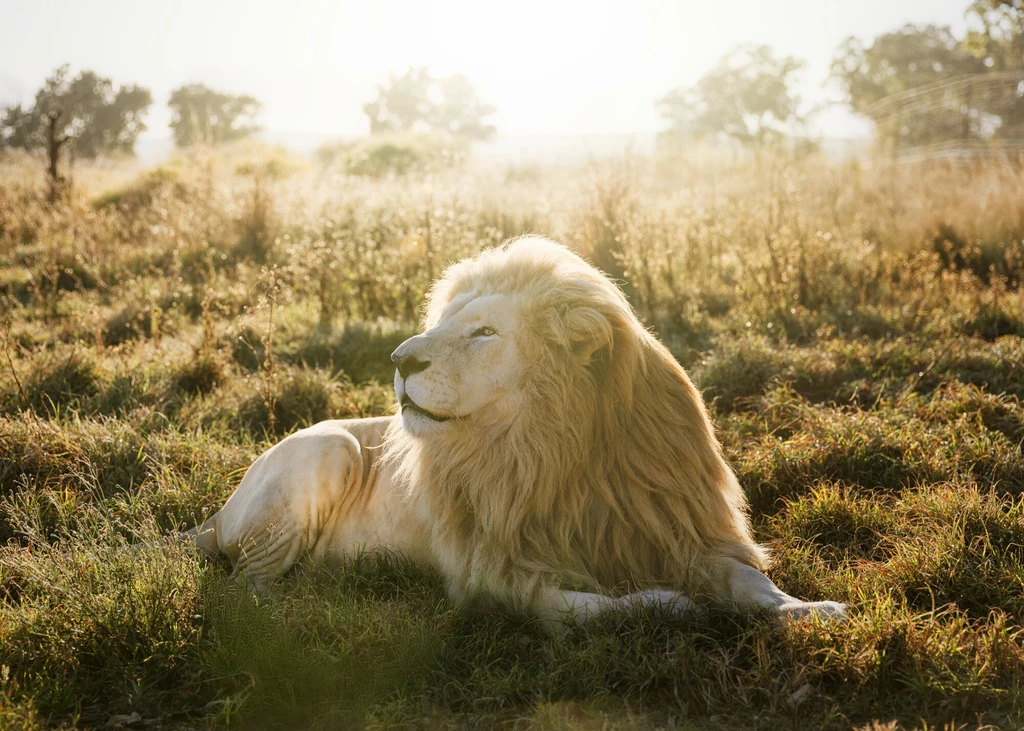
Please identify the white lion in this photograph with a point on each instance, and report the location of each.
(550, 454)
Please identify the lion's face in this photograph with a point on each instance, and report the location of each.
(466, 368)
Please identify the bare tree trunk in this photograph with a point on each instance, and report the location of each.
(54, 142)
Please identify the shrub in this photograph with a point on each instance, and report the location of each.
(301, 397)
(361, 352)
(395, 154)
(201, 374)
(144, 191)
(134, 321)
(63, 379)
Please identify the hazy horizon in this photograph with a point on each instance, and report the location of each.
(550, 69)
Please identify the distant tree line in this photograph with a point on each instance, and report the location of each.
(87, 115)
(749, 95)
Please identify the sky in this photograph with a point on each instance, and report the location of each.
(551, 67)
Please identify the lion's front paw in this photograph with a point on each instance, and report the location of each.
(829, 611)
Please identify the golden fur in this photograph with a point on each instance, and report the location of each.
(610, 478)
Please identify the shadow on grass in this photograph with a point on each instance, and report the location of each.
(323, 648)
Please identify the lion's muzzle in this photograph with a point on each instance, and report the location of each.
(408, 364)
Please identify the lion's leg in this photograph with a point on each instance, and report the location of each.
(747, 586)
(558, 608)
(666, 599)
(286, 499)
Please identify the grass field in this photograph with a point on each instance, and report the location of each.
(857, 329)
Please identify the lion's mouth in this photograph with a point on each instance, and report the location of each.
(408, 403)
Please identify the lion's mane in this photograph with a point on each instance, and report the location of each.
(606, 477)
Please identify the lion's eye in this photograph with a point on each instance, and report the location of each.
(483, 332)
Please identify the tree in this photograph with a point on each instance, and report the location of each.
(747, 96)
(460, 112)
(18, 127)
(923, 86)
(908, 58)
(416, 101)
(998, 40)
(200, 115)
(85, 111)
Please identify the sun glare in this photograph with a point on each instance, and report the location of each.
(547, 67)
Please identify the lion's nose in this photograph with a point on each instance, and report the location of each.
(409, 364)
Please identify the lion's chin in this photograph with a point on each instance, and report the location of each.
(418, 423)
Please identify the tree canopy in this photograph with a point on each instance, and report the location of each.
(908, 58)
(86, 109)
(997, 35)
(922, 85)
(748, 95)
(417, 101)
(201, 115)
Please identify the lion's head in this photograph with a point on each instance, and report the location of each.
(507, 331)
(465, 369)
(553, 438)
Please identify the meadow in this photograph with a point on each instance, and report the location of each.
(856, 328)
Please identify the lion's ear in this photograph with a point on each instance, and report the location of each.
(586, 351)
(589, 331)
